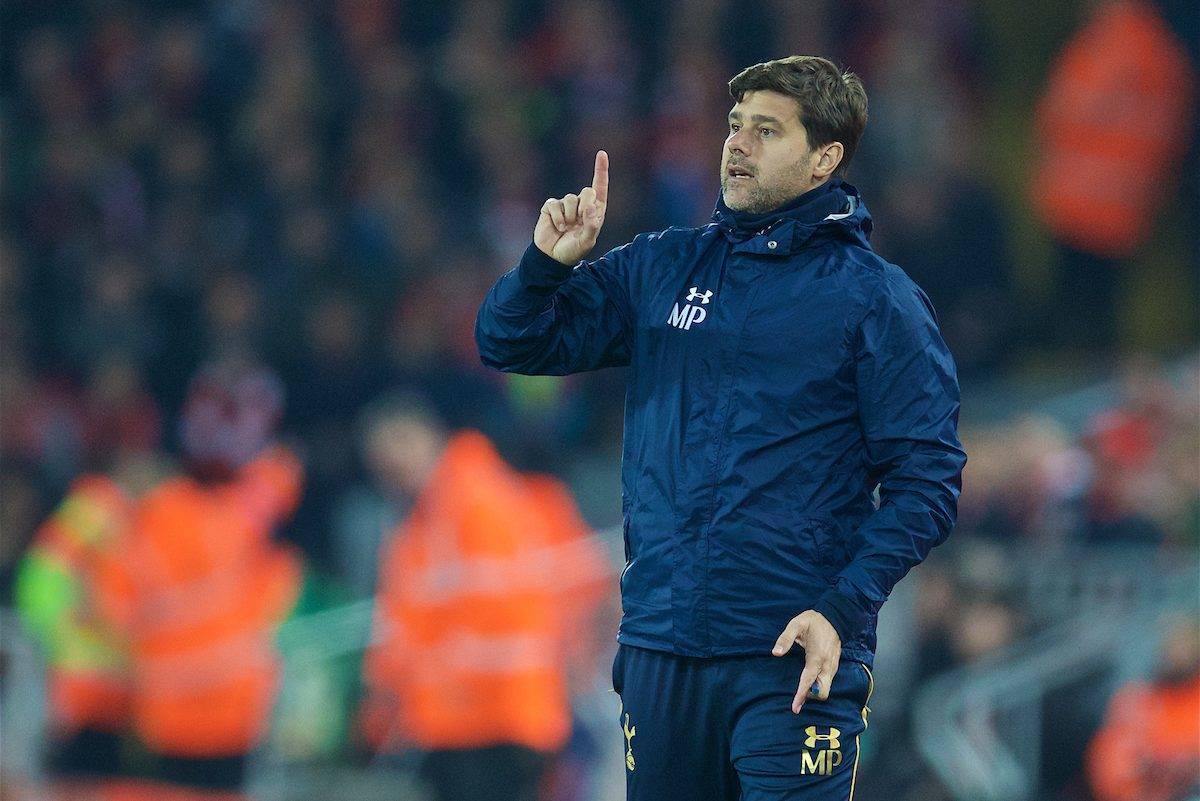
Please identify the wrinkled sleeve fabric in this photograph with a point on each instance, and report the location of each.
(544, 318)
(908, 408)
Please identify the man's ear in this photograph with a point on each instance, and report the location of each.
(829, 158)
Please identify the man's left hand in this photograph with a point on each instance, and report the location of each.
(822, 652)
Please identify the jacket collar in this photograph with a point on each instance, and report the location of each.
(835, 205)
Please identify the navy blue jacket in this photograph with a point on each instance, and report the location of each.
(779, 375)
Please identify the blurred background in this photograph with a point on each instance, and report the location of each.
(241, 250)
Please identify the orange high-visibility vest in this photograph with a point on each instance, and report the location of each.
(478, 593)
(1112, 128)
(200, 591)
(1149, 734)
(87, 660)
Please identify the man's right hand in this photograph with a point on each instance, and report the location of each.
(568, 227)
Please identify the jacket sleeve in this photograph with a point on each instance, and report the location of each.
(908, 409)
(544, 318)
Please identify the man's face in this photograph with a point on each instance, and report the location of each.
(403, 452)
(766, 160)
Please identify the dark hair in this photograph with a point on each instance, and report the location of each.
(833, 103)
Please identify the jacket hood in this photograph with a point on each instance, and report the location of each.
(835, 206)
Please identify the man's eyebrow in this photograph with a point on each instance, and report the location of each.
(755, 118)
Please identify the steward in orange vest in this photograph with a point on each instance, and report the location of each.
(202, 586)
(484, 592)
(1148, 748)
(1113, 126)
(87, 670)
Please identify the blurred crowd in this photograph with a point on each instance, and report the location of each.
(330, 189)
(1130, 476)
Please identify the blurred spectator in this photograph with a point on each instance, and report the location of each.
(88, 679)
(1149, 746)
(397, 450)
(1138, 491)
(1026, 481)
(485, 596)
(197, 586)
(1113, 126)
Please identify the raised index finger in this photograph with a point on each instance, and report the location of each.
(600, 177)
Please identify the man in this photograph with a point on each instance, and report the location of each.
(781, 372)
(199, 583)
(87, 671)
(483, 592)
(1148, 747)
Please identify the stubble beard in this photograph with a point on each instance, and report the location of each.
(756, 199)
(760, 198)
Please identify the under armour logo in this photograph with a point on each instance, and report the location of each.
(832, 738)
(688, 315)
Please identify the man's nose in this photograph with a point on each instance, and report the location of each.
(738, 143)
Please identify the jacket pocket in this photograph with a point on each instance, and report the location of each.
(828, 545)
(853, 683)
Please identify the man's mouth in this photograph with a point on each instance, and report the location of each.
(738, 172)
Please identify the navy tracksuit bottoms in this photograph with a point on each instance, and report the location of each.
(722, 728)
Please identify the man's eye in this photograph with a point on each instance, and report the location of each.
(765, 132)
(734, 127)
